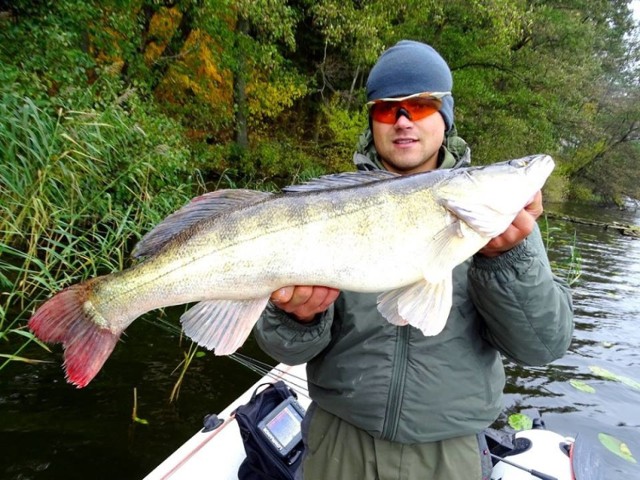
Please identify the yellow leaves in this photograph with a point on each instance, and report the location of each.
(197, 73)
(267, 98)
(164, 23)
(162, 27)
(199, 57)
(152, 52)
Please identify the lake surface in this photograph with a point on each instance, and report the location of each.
(605, 352)
(50, 430)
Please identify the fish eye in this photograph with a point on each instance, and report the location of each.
(519, 162)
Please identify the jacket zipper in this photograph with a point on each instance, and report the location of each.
(396, 388)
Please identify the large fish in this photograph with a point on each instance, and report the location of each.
(229, 249)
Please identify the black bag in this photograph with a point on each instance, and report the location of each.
(269, 425)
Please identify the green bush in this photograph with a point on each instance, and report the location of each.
(340, 131)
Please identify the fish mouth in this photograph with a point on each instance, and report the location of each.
(540, 164)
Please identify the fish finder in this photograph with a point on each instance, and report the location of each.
(281, 427)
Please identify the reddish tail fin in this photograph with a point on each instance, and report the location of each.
(67, 318)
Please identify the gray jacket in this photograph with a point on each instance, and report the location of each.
(400, 385)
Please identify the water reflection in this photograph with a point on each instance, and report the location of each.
(604, 350)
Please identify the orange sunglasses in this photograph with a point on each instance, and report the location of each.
(416, 107)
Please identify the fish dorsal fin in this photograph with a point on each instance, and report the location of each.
(199, 208)
(222, 325)
(423, 305)
(340, 180)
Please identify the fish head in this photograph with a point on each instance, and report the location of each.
(488, 197)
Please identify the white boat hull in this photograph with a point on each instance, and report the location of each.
(219, 453)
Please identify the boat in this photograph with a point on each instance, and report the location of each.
(216, 451)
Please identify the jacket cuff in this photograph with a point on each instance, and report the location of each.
(511, 257)
(288, 328)
(293, 323)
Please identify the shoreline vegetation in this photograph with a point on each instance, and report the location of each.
(113, 117)
(626, 229)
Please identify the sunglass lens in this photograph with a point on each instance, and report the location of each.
(387, 112)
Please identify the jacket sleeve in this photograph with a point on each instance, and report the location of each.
(527, 310)
(291, 342)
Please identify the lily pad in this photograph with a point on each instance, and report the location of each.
(582, 386)
(519, 421)
(617, 447)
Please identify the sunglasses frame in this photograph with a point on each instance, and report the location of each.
(432, 95)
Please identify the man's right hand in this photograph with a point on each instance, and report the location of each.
(304, 301)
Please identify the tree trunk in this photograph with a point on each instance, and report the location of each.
(239, 92)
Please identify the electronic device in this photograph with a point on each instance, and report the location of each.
(281, 427)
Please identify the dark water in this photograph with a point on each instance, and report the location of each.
(50, 430)
(607, 334)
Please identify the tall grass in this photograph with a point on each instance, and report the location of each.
(569, 267)
(76, 189)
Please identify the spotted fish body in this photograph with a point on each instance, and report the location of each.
(228, 250)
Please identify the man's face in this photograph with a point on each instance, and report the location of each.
(409, 146)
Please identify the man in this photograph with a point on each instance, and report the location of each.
(389, 402)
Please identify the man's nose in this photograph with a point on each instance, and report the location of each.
(403, 112)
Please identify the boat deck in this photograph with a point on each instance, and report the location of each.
(219, 453)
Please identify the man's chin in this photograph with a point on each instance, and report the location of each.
(406, 165)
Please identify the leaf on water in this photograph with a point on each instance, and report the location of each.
(134, 413)
(582, 386)
(630, 382)
(141, 420)
(602, 373)
(606, 374)
(520, 421)
(617, 447)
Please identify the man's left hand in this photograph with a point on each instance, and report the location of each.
(519, 229)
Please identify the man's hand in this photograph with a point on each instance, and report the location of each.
(303, 301)
(519, 229)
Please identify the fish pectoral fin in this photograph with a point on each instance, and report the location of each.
(448, 241)
(482, 218)
(388, 306)
(424, 305)
(205, 206)
(222, 325)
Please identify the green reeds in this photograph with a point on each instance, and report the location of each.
(76, 190)
(570, 266)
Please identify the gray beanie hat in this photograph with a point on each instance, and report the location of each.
(411, 67)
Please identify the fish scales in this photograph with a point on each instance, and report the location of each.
(228, 250)
(266, 235)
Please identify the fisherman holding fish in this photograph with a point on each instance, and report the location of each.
(401, 286)
(390, 402)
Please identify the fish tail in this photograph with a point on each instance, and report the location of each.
(70, 319)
